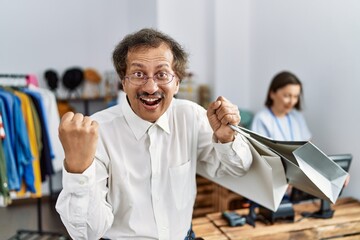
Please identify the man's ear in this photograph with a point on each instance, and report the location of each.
(177, 86)
(123, 84)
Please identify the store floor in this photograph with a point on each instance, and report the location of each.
(23, 215)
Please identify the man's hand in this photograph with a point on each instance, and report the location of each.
(221, 113)
(78, 135)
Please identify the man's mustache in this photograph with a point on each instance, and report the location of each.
(145, 94)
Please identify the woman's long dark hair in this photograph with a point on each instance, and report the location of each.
(281, 80)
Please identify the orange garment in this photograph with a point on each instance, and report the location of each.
(29, 121)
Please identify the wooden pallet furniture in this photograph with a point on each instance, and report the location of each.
(212, 197)
(207, 230)
(344, 225)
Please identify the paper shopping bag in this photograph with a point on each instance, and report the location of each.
(307, 167)
(265, 182)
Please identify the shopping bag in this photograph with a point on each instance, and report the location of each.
(307, 167)
(265, 182)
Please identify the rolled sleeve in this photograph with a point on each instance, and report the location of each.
(234, 155)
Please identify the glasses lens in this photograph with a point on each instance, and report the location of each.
(138, 78)
(160, 78)
(163, 78)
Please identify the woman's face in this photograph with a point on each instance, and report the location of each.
(285, 98)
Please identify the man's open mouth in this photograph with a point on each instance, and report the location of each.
(150, 101)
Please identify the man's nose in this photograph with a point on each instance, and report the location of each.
(150, 86)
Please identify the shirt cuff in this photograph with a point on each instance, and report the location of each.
(76, 182)
(231, 148)
(225, 148)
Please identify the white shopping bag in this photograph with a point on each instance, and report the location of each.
(307, 167)
(265, 182)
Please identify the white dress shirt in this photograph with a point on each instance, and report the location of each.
(142, 182)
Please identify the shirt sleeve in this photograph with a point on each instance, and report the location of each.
(219, 159)
(82, 203)
(306, 134)
(258, 125)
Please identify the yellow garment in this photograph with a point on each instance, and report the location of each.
(29, 120)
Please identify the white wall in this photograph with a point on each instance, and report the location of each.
(141, 13)
(318, 41)
(232, 52)
(37, 35)
(191, 24)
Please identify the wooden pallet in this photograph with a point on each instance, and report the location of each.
(212, 197)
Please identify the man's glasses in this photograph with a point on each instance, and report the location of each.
(160, 78)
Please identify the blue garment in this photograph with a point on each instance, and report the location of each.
(11, 170)
(47, 153)
(18, 135)
(22, 147)
(292, 127)
(8, 101)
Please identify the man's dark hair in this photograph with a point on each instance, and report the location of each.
(149, 38)
(280, 80)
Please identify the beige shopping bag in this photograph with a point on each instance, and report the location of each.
(307, 167)
(265, 182)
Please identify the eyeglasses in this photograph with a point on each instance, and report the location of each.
(139, 78)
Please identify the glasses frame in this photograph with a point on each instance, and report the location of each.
(146, 78)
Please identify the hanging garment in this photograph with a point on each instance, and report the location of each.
(52, 114)
(22, 152)
(11, 169)
(46, 151)
(29, 120)
(4, 189)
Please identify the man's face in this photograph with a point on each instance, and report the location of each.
(150, 101)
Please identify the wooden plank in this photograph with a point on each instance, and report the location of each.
(307, 234)
(349, 228)
(328, 232)
(202, 211)
(214, 237)
(200, 220)
(345, 200)
(239, 233)
(354, 237)
(206, 229)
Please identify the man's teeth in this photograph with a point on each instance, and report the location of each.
(150, 99)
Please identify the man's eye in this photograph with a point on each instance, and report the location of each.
(139, 74)
(162, 75)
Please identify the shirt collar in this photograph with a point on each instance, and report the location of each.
(139, 126)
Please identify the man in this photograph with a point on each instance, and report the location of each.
(129, 171)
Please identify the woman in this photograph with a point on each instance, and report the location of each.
(282, 119)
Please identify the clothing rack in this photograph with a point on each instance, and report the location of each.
(17, 80)
(20, 80)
